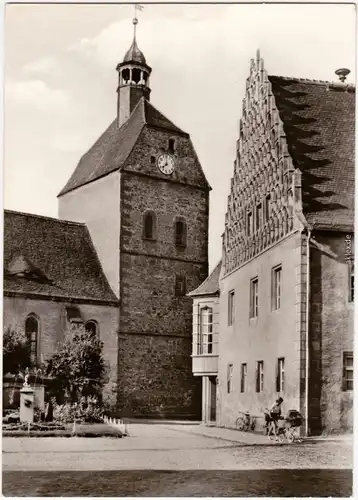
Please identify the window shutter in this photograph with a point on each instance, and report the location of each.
(257, 378)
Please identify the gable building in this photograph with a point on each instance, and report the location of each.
(286, 285)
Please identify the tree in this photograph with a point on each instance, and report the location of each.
(15, 351)
(78, 368)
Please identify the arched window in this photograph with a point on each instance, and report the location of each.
(149, 226)
(136, 75)
(180, 233)
(171, 145)
(92, 327)
(32, 332)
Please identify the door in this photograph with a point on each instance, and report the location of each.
(212, 400)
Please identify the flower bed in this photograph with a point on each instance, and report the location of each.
(57, 430)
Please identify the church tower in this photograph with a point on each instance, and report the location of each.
(143, 194)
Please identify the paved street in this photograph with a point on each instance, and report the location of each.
(175, 460)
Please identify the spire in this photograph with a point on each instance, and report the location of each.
(134, 54)
(133, 81)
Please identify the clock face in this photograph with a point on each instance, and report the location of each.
(166, 164)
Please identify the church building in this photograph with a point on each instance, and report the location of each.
(135, 215)
(285, 292)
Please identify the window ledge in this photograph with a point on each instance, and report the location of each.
(149, 239)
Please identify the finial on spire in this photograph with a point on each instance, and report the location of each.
(135, 19)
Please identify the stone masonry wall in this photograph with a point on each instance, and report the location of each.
(331, 334)
(155, 377)
(151, 314)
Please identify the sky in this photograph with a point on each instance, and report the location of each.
(60, 81)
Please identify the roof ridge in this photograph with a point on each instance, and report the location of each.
(63, 221)
(310, 81)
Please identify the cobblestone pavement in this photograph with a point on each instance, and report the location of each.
(170, 447)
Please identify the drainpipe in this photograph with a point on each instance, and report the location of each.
(309, 234)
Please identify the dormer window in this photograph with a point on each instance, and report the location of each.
(21, 267)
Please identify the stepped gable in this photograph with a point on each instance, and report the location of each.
(112, 149)
(53, 258)
(210, 286)
(319, 123)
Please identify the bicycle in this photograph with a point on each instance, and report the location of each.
(245, 422)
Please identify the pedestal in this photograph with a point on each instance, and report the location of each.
(26, 404)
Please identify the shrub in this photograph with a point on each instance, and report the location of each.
(87, 410)
(78, 368)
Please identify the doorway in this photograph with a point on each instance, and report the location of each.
(212, 399)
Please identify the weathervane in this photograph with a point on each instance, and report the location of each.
(135, 19)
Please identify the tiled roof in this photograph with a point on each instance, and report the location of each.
(112, 149)
(210, 286)
(319, 123)
(46, 256)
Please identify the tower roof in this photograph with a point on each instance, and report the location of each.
(110, 152)
(134, 54)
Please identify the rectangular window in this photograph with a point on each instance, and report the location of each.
(254, 298)
(348, 371)
(249, 224)
(180, 233)
(276, 276)
(259, 376)
(231, 308)
(243, 377)
(267, 207)
(205, 345)
(229, 378)
(351, 281)
(280, 380)
(258, 217)
(180, 287)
